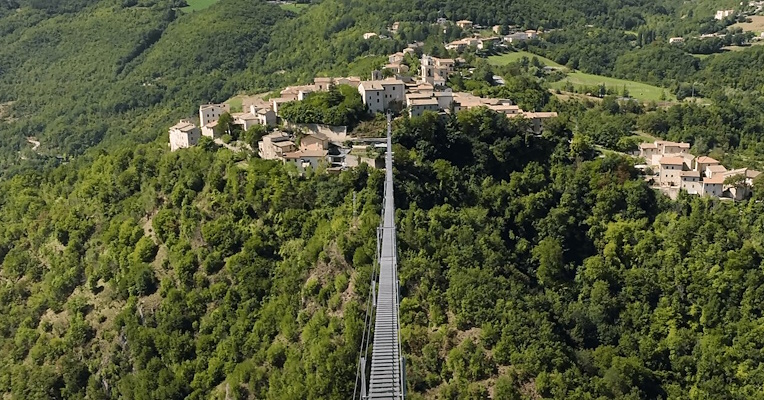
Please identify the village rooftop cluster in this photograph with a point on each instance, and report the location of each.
(328, 145)
(676, 169)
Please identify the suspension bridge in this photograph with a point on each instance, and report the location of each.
(387, 379)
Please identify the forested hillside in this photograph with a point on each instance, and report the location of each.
(531, 266)
(529, 270)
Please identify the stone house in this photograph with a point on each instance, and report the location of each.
(377, 95)
(275, 146)
(464, 24)
(670, 171)
(702, 162)
(184, 134)
(314, 141)
(691, 182)
(713, 186)
(209, 113)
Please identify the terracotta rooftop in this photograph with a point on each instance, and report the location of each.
(691, 174)
(245, 116)
(540, 114)
(675, 144)
(419, 95)
(648, 146)
(208, 106)
(716, 179)
(706, 160)
(424, 102)
(305, 153)
(283, 143)
(372, 85)
(183, 126)
(717, 168)
(671, 161)
(390, 81)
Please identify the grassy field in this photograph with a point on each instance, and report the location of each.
(196, 5)
(235, 103)
(507, 58)
(294, 7)
(742, 48)
(756, 24)
(641, 91)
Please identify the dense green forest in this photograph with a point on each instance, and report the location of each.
(531, 266)
(529, 269)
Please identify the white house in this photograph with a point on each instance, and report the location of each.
(184, 134)
(462, 44)
(516, 37)
(397, 68)
(209, 129)
(210, 113)
(714, 186)
(372, 94)
(721, 14)
(377, 95)
(714, 170)
(676, 40)
(691, 182)
(444, 98)
(369, 35)
(323, 84)
(418, 106)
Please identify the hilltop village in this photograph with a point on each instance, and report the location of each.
(671, 168)
(668, 166)
(392, 89)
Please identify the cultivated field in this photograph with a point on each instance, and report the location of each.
(641, 91)
(507, 58)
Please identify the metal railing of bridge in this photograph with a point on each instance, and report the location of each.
(387, 378)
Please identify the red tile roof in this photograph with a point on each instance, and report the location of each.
(671, 161)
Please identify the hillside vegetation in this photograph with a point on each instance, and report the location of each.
(530, 266)
(528, 270)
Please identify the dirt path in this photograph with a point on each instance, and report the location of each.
(35, 143)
